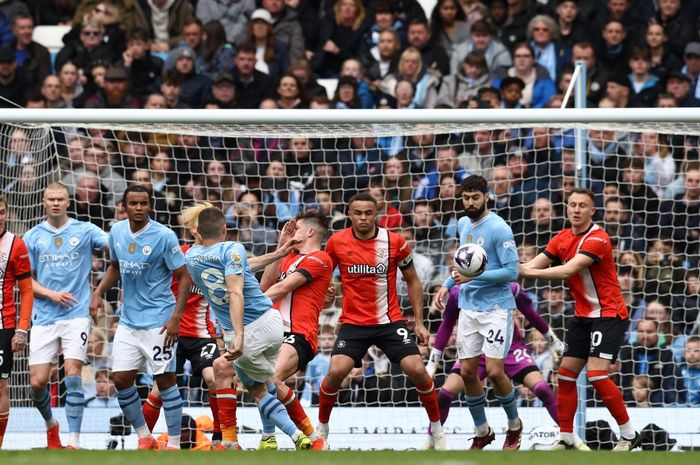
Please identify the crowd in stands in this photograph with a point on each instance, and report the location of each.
(385, 54)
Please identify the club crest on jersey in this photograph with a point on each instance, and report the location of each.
(132, 247)
(363, 268)
(382, 253)
(74, 241)
(147, 250)
(340, 344)
(58, 241)
(480, 240)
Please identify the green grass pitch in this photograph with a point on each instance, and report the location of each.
(47, 457)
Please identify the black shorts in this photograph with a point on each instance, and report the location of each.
(595, 337)
(6, 352)
(302, 346)
(519, 377)
(392, 338)
(201, 352)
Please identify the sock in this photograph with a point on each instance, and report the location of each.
(42, 401)
(172, 408)
(627, 430)
(546, 395)
(508, 404)
(226, 400)
(476, 408)
(297, 414)
(131, 406)
(567, 400)
(75, 404)
(611, 397)
(444, 399)
(272, 409)
(151, 410)
(216, 433)
(326, 401)
(268, 426)
(4, 417)
(428, 398)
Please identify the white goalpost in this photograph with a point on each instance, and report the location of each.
(262, 167)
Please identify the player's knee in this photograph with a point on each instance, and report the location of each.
(494, 374)
(38, 382)
(467, 372)
(220, 366)
(336, 375)
(122, 380)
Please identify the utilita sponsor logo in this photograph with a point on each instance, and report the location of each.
(367, 269)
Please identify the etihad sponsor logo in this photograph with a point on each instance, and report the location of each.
(367, 269)
(129, 267)
(58, 259)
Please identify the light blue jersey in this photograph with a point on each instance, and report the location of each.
(209, 266)
(146, 263)
(62, 260)
(491, 289)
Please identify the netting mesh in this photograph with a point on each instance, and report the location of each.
(646, 178)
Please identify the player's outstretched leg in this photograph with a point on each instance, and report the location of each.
(273, 412)
(226, 401)
(151, 407)
(413, 366)
(612, 398)
(39, 375)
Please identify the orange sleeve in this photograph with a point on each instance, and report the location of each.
(26, 296)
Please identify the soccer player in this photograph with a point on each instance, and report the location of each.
(601, 319)
(196, 343)
(297, 285)
(145, 255)
(519, 365)
(486, 313)
(60, 250)
(368, 257)
(253, 330)
(15, 268)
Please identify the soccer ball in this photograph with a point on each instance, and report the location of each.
(471, 260)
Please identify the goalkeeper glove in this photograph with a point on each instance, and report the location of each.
(555, 345)
(431, 367)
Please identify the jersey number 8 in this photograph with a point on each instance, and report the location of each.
(213, 280)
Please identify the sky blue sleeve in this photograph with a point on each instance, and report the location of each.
(174, 258)
(98, 238)
(112, 249)
(501, 275)
(507, 255)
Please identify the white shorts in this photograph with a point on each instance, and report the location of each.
(261, 347)
(488, 333)
(71, 335)
(142, 350)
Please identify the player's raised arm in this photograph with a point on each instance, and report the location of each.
(271, 273)
(258, 263)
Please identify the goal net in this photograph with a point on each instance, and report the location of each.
(262, 168)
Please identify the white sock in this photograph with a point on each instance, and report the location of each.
(514, 424)
(143, 432)
(483, 430)
(313, 436)
(174, 441)
(296, 435)
(436, 427)
(74, 439)
(627, 431)
(566, 437)
(50, 423)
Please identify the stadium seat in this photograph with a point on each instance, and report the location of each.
(50, 37)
